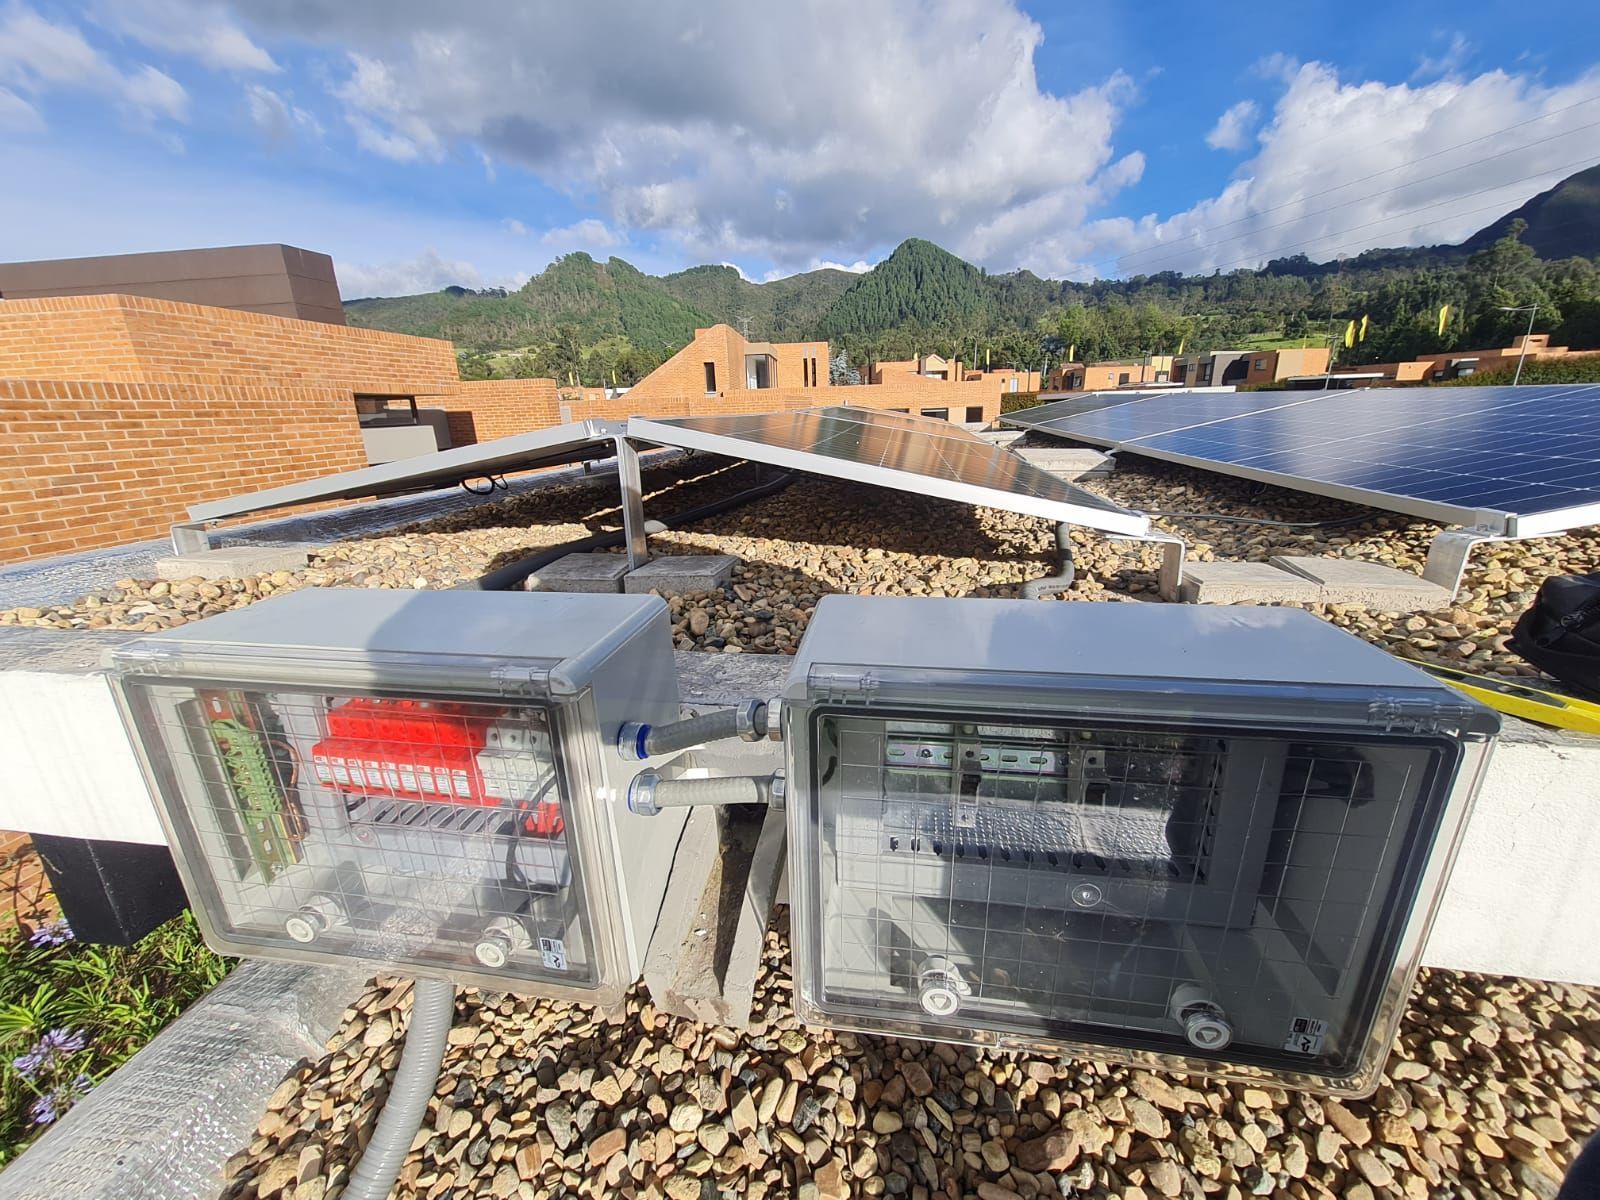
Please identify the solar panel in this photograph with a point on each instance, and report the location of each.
(1517, 461)
(577, 442)
(924, 456)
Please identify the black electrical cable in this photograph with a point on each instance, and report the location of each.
(512, 574)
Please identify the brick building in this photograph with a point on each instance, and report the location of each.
(118, 412)
(721, 371)
(1456, 364)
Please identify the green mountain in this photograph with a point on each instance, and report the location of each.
(602, 321)
(1563, 222)
(783, 310)
(600, 300)
(609, 300)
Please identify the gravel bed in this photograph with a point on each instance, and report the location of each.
(821, 536)
(1493, 1085)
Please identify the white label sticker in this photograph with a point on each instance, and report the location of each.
(554, 953)
(1305, 1036)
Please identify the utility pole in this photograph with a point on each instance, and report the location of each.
(1532, 310)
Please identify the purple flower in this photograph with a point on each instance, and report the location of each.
(29, 1064)
(49, 1107)
(57, 1043)
(55, 933)
(61, 1041)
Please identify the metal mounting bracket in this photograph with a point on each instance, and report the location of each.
(1449, 551)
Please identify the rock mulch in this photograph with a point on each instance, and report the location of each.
(1493, 1085)
(823, 536)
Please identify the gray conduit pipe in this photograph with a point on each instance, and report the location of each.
(749, 719)
(433, 1011)
(1050, 585)
(649, 793)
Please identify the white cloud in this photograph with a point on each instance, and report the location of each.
(703, 131)
(512, 225)
(1234, 127)
(428, 272)
(1344, 166)
(200, 31)
(39, 56)
(1447, 62)
(278, 119)
(588, 234)
(17, 115)
(859, 267)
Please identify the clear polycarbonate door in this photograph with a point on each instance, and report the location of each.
(1230, 895)
(422, 832)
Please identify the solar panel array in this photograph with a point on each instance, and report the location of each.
(922, 455)
(1519, 461)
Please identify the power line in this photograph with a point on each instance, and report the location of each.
(1386, 171)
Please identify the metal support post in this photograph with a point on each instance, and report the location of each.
(632, 487)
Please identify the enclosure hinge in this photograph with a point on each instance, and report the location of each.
(521, 681)
(1417, 716)
(842, 687)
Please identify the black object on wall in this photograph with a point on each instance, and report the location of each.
(112, 893)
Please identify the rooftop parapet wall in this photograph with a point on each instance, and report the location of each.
(137, 339)
(92, 463)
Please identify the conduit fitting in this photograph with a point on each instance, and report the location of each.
(649, 794)
(749, 720)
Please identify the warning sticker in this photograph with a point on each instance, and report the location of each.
(1305, 1036)
(554, 953)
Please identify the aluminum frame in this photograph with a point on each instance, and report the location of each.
(1102, 515)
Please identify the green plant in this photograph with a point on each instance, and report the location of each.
(1017, 401)
(71, 1013)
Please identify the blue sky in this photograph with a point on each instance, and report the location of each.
(423, 144)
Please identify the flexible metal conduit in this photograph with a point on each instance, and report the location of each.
(433, 1009)
(512, 574)
(751, 720)
(649, 793)
(1050, 585)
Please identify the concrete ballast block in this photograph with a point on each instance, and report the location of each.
(1068, 462)
(1366, 584)
(231, 562)
(1243, 583)
(580, 573)
(677, 574)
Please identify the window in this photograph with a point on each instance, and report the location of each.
(1013, 384)
(942, 413)
(974, 414)
(1180, 373)
(1122, 377)
(1261, 364)
(711, 377)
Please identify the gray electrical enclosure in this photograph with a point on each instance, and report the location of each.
(1203, 838)
(423, 781)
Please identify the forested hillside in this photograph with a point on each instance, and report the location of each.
(597, 322)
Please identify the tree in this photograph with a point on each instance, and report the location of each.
(841, 373)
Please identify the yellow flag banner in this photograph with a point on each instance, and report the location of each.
(1183, 341)
(1444, 315)
(1072, 352)
(1365, 317)
(1349, 335)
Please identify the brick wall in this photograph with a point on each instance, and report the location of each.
(482, 410)
(137, 339)
(87, 464)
